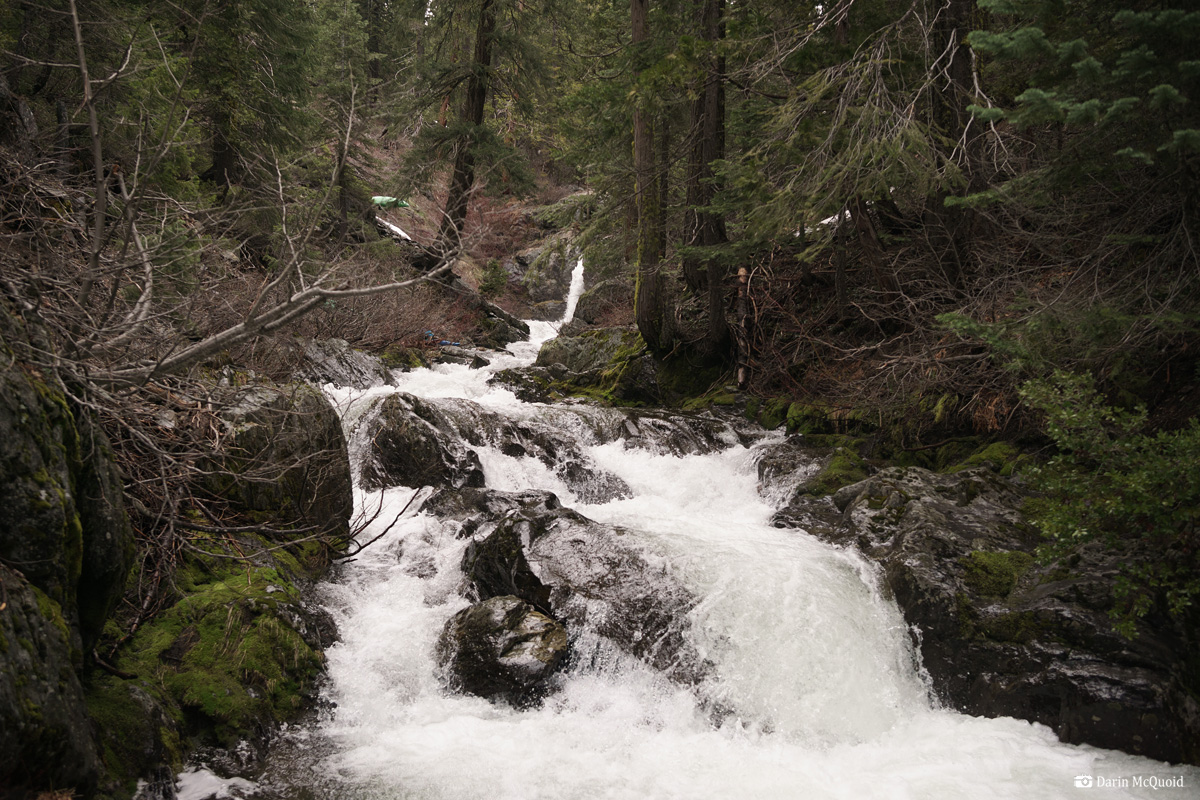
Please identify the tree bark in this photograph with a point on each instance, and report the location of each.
(872, 249)
(955, 227)
(462, 179)
(703, 227)
(649, 306)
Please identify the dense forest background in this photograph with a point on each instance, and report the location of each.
(942, 218)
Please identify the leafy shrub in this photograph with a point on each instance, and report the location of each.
(492, 279)
(1136, 492)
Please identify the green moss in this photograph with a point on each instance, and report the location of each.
(808, 419)
(718, 397)
(223, 657)
(774, 412)
(1003, 457)
(844, 468)
(993, 573)
(52, 611)
(402, 358)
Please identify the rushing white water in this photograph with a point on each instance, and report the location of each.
(575, 290)
(814, 689)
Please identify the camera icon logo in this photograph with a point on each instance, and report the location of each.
(1083, 781)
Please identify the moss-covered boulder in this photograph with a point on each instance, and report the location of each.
(612, 365)
(235, 652)
(45, 733)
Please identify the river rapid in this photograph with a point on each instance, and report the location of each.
(813, 688)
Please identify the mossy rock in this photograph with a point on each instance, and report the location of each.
(773, 412)
(1002, 457)
(994, 573)
(44, 728)
(62, 514)
(229, 659)
(284, 460)
(845, 466)
(405, 358)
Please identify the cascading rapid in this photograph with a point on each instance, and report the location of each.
(655, 637)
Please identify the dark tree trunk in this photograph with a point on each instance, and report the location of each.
(872, 249)
(649, 303)
(703, 227)
(462, 178)
(954, 228)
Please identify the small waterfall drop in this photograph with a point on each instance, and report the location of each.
(574, 292)
(810, 686)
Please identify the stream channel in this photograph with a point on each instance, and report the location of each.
(807, 686)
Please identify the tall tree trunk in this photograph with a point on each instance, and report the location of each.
(955, 227)
(872, 249)
(703, 227)
(462, 178)
(649, 305)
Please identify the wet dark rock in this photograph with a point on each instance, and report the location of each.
(416, 442)
(531, 384)
(284, 454)
(450, 354)
(334, 361)
(501, 648)
(412, 443)
(480, 510)
(45, 732)
(1002, 635)
(588, 575)
(62, 515)
(500, 333)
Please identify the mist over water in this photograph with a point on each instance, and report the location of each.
(813, 689)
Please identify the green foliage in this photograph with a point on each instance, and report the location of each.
(493, 278)
(1137, 493)
(1127, 76)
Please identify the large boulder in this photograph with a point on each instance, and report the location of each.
(589, 576)
(501, 648)
(45, 731)
(412, 443)
(1001, 634)
(284, 457)
(601, 300)
(62, 513)
(335, 361)
(592, 350)
(546, 267)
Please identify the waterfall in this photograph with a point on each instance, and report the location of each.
(575, 290)
(807, 683)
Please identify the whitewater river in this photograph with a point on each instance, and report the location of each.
(814, 689)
